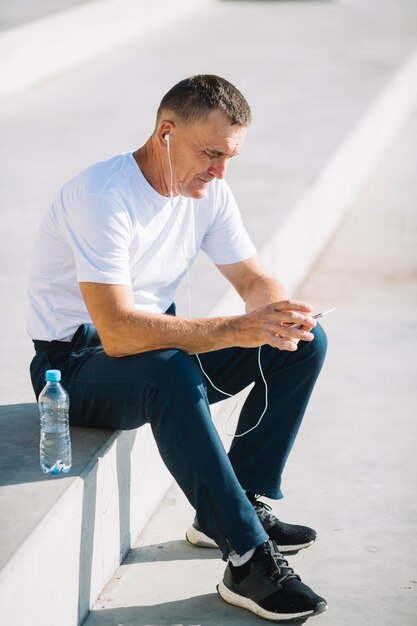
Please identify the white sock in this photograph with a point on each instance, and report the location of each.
(240, 560)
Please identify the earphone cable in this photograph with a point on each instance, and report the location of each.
(229, 395)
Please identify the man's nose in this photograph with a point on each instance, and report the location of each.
(218, 168)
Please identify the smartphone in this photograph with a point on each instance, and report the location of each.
(317, 315)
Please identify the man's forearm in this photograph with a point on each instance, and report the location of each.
(138, 332)
(142, 332)
(264, 290)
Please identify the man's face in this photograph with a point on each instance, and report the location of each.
(201, 152)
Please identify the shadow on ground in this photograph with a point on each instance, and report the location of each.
(178, 550)
(204, 610)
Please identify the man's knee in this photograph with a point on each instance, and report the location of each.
(319, 344)
(310, 354)
(176, 372)
(313, 353)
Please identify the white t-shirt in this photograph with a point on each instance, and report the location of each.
(108, 225)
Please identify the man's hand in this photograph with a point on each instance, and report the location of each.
(272, 318)
(279, 324)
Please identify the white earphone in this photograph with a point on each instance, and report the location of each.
(171, 175)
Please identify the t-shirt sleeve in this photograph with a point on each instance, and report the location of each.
(99, 231)
(226, 240)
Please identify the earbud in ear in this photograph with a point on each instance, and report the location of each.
(166, 137)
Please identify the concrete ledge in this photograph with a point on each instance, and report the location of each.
(39, 50)
(69, 533)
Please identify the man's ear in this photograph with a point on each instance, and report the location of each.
(166, 130)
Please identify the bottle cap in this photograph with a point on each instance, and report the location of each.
(53, 376)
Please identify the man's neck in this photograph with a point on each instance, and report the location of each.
(150, 162)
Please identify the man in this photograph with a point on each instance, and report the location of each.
(109, 255)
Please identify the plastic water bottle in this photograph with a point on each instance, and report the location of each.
(55, 443)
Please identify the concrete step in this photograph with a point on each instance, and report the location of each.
(324, 113)
(62, 538)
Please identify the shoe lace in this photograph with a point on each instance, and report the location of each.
(274, 565)
(262, 509)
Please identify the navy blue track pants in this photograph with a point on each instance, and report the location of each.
(167, 389)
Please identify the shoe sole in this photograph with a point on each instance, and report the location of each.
(246, 603)
(200, 540)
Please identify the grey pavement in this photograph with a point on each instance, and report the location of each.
(309, 70)
(14, 13)
(353, 471)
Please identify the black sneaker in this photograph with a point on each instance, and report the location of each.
(290, 538)
(268, 586)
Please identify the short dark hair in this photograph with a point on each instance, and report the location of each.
(193, 98)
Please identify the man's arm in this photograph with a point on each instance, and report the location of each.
(124, 330)
(253, 283)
